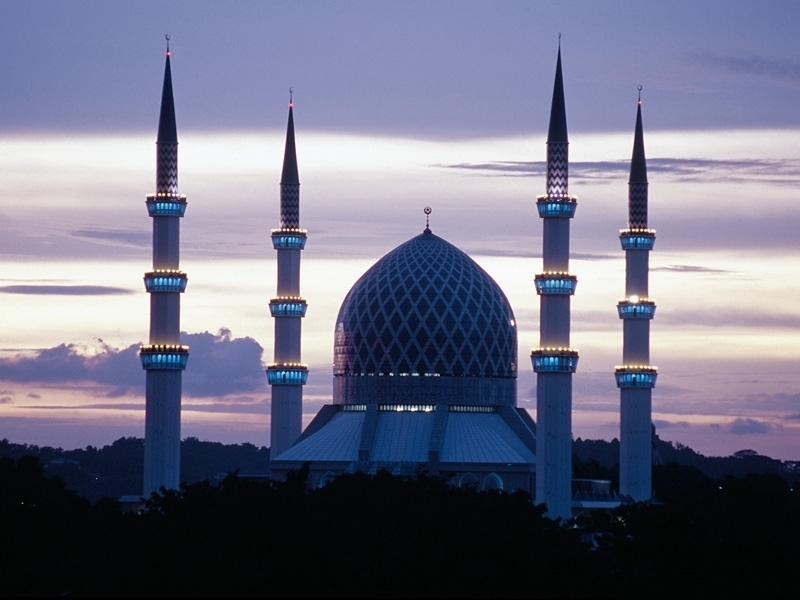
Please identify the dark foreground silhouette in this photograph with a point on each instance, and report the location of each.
(386, 536)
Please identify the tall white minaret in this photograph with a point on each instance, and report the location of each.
(554, 361)
(636, 378)
(164, 358)
(287, 375)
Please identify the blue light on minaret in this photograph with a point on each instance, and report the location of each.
(554, 361)
(636, 378)
(287, 375)
(164, 358)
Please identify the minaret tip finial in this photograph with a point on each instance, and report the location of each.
(290, 97)
(427, 212)
(166, 37)
(559, 40)
(640, 94)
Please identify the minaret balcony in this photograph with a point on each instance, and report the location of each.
(637, 239)
(633, 376)
(165, 280)
(287, 374)
(555, 282)
(636, 308)
(556, 206)
(554, 360)
(288, 306)
(164, 357)
(288, 238)
(166, 205)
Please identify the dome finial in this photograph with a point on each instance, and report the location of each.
(427, 212)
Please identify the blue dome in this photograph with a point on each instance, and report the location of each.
(426, 308)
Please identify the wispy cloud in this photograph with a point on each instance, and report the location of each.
(63, 290)
(777, 171)
(139, 239)
(777, 69)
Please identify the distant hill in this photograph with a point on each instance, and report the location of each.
(116, 470)
(602, 457)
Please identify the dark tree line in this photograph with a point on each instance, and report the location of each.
(387, 536)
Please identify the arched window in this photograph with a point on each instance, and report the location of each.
(493, 481)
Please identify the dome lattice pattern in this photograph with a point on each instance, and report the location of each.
(426, 308)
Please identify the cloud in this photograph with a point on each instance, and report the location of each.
(777, 69)
(776, 171)
(218, 366)
(688, 269)
(741, 426)
(64, 290)
(138, 239)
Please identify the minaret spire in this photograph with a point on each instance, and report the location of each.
(287, 375)
(554, 361)
(164, 358)
(636, 378)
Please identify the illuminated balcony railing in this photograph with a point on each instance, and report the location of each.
(288, 238)
(636, 308)
(555, 283)
(556, 206)
(165, 280)
(287, 374)
(637, 239)
(293, 306)
(641, 376)
(164, 356)
(554, 360)
(166, 205)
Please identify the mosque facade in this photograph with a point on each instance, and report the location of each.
(425, 349)
(425, 363)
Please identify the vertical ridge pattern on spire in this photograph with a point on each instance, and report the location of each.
(637, 184)
(557, 142)
(290, 180)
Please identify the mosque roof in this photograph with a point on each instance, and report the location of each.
(406, 437)
(426, 308)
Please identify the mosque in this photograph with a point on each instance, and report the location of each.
(425, 351)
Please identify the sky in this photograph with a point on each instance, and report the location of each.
(397, 106)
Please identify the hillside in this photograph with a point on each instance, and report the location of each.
(116, 470)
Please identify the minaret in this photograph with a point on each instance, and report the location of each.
(287, 375)
(636, 378)
(164, 358)
(554, 361)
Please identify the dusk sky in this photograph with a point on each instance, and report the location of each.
(397, 106)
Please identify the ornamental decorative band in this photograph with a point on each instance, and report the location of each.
(163, 205)
(287, 374)
(167, 357)
(280, 307)
(554, 360)
(643, 309)
(555, 283)
(637, 239)
(165, 281)
(556, 206)
(288, 238)
(636, 377)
